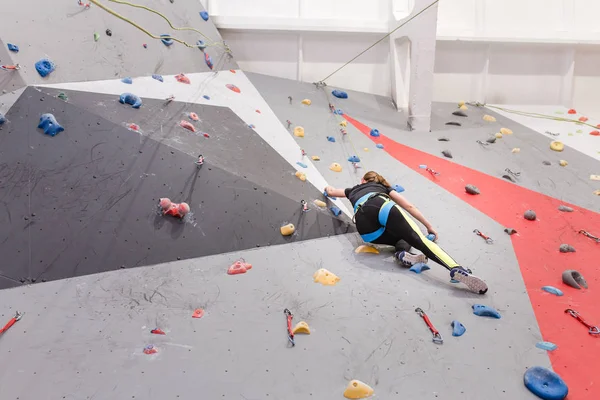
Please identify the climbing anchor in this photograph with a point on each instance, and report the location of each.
(304, 205)
(12, 321)
(437, 337)
(482, 143)
(303, 153)
(290, 99)
(592, 330)
(200, 161)
(514, 174)
(289, 317)
(594, 238)
(289, 123)
(432, 172)
(488, 239)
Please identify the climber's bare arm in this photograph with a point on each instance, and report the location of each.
(412, 210)
(333, 192)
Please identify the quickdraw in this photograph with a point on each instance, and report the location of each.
(15, 67)
(289, 317)
(12, 321)
(592, 330)
(587, 234)
(432, 172)
(437, 337)
(514, 174)
(488, 239)
(304, 205)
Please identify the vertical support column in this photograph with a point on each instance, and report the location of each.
(566, 87)
(412, 60)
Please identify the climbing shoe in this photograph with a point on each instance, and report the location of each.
(474, 283)
(408, 259)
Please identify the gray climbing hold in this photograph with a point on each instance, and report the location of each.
(565, 208)
(459, 113)
(447, 153)
(574, 279)
(510, 231)
(566, 248)
(546, 163)
(453, 123)
(472, 189)
(491, 140)
(509, 178)
(443, 139)
(530, 215)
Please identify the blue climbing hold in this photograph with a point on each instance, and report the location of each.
(2, 119)
(325, 194)
(398, 188)
(419, 267)
(302, 164)
(458, 329)
(251, 126)
(201, 44)
(127, 80)
(13, 47)
(430, 237)
(208, 60)
(44, 67)
(423, 166)
(546, 346)
(354, 159)
(552, 290)
(206, 97)
(485, 311)
(49, 124)
(204, 15)
(545, 384)
(131, 99)
(336, 211)
(338, 112)
(375, 132)
(340, 94)
(158, 77)
(379, 146)
(166, 39)
(331, 139)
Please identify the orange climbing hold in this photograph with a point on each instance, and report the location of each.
(583, 119)
(572, 111)
(358, 390)
(299, 131)
(183, 79)
(366, 249)
(595, 133)
(301, 176)
(232, 71)
(178, 210)
(198, 313)
(187, 125)
(239, 267)
(325, 277)
(193, 116)
(233, 88)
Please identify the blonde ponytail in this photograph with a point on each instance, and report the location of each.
(373, 176)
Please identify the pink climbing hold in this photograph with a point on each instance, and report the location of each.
(583, 119)
(258, 111)
(239, 267)
(187, 125)
(193, 116)
(178, 210)
(232, 71)
(150, 349)
(233, 88)
(183, 79)
(133, 127)
(198, 313)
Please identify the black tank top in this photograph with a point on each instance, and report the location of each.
(355, 193)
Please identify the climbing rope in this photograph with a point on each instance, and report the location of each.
(322, 81)
(116, 14)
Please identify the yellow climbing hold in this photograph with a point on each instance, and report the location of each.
(498, 135)
(506, 131)
(306, 101)
(325, 277)
(366, 149)
(595, 177)
(301, 327)
(358, 390)
(597, 192)
(489, 118)
(316, 158)
(335, 167)
(563, 163)
(301, 176)
(320, 203)
(288, 229)
(344, 123)
(461, 103)
(299, 131)
(516, 150)
(463, 107)
(366, 249)
(557, 146)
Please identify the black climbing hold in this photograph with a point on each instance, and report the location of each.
(530, 215)
(453, 123)
(33, 214)
(108, 32)
(26, 218)
(443, 139)
(472, 189)
(574, 279)
(491, 140)
(546, 163)
(459, 113)
(510, 231)
(447, 153)
(565, 208)
(566, 248)
(508, 177)
(22, 280)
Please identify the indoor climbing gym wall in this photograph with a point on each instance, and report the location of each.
(166, 230)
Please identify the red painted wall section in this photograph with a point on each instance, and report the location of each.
(536, 246)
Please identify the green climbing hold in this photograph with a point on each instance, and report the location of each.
(579, 131)
(62, 96)
(96, 37)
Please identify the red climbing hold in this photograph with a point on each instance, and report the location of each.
(583, 119)
(198, 313)
(133, 127)
(145, 45)
(595, 133)
(193, 116)
(150, 349)
(158, 331)
(258, 111)
(183, 79)
(232, 71)
(233, 88)
(239, 267)
(187, 125)
(178, 210)
(206, 135)
(572, 111)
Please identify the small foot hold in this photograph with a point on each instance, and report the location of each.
(510, 231)
(447, 153)
(325, 278)
(472, 189)
(574, 279)
(530, 215)
(198, 313)
(552, 290)
(564, 208)
(485, 311)
(458, 329)
(453, 123)
(358, 390)
(301, 327)
(546, 346)
(157, 331)
(239, 267)
(49, 125)
(419, 267)
(459, 114)
(365, 249)
(566, 248)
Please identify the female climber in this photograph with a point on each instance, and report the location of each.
(380, 217)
